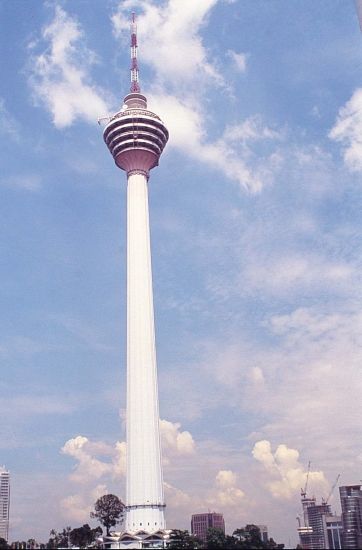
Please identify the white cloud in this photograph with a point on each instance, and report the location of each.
(348, 131)
(307, 363)
(185, 121)
(226, 479)
(230, 497)
(169, 29)
(100, 465)
(88, 453)
(60, 76)
(173, 28)
(88, 467)
(239, 60)
(251, 129)
(227, 494)
(173, 440)
(284, 465)
(120, 460)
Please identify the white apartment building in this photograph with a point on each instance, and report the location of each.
(4, 502)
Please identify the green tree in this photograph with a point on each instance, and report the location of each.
(272, 544)
(53, 539)
(249, 537)
(109, 511)
(183, 540)
(216, 538)
(59, 540)
(84, 536)
(253, 536)
(3, 544)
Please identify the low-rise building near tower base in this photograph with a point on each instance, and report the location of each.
(136, 539)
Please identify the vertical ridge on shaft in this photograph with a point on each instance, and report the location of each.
(144, 474)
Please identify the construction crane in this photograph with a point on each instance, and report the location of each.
(304, 492)
(331, 491)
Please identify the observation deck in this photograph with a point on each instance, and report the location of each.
(135, 136)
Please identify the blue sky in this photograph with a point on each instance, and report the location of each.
(256, 238)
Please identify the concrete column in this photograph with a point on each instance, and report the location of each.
(144, 473)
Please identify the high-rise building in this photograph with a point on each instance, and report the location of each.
(333, 530)
(315, 521)
(351, 504)
(200, 523)
(4, 503)
(136, 137)
(321, 529)
(263, 533)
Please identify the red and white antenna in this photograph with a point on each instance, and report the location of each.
(135, 87)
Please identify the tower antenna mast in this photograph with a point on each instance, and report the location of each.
(135, 87)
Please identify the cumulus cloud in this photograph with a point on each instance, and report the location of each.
(60, 76)
(348, 131)
(98, 466)
(284, 466)
(225, 479)
(98, 461)
(119, 463)
(227, 494)
(173, 440)
(169, 29)
(84, 451)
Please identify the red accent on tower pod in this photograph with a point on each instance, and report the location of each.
(137, 159)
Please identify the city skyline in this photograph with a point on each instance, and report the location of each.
(256, 228)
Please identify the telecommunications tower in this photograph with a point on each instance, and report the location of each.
(136, 137)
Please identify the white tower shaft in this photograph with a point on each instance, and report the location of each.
(145, 504)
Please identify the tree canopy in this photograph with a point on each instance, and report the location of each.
(81, 537)
(182, 540)
(109, 511)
